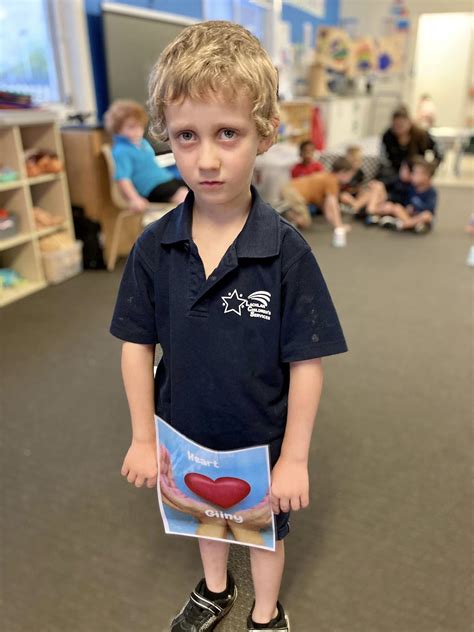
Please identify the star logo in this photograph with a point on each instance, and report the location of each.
(233, 303)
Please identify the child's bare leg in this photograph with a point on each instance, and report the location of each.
(267, 571)
(332, 212)
(377, 195)
(361, 200)
(422, 218)
(214, 556)
(400, 212)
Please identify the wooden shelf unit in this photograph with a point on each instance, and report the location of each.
(20, 131)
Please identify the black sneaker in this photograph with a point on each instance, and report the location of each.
(280, 622)
(200, 614)
(387, 221)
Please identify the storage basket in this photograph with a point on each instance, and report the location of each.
(63, 264)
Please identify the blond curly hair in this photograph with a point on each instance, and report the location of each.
(120, 111)
(214, 58)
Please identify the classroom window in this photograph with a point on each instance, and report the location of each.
(28, 59)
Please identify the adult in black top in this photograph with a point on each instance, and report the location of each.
(402, 142)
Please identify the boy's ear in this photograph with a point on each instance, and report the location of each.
(266, 142)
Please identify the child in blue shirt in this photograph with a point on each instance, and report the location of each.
(139, 177)
(417, 213)
(226, 380)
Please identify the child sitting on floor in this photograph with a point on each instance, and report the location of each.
(395, 191)
(138, 176)
(353, 191)
(308, 164)
(419, 211)
(321, 190)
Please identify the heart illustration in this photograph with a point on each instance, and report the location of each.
(224, 492)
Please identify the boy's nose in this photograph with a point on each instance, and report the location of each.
(208, 158)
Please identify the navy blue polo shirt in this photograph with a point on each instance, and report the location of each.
(422, 200)
(227, 340)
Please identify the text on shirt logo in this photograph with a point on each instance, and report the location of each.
(255, 304)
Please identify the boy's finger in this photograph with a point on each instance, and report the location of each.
(131, 477)
(285, 504)
(304, 501)
(139, 481)
(151, 482)
(295, 503)
(275, 505)
(124, 470)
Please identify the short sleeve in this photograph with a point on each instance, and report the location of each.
(123, 165)
(310, 326)
(134, 314)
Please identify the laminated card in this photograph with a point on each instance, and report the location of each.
(214, 494)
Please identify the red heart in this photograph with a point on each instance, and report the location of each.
(225, 491)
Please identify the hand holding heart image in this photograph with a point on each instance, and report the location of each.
(211, 501)
(224, 492)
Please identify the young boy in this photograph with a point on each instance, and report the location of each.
(381, 197)
(226, 380)
(139, 177)
(418, 212)
(308, 164)
(321, 190)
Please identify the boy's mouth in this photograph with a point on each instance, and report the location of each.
(211, 183)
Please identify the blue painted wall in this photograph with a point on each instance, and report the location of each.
(188, 8)
(296, 17)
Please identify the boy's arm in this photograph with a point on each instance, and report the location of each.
(140, 463)
(137, 202)
(290, 483)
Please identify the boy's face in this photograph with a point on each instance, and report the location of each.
(356, 159)
(215, 143)
(420, 177)
(132, 129)
(345, 177)
(404, 173)
(307, 153)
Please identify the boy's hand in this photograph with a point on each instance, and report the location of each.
(139, 204)
(290, 486)
(140, 465)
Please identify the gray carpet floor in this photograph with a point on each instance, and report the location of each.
(386, 544)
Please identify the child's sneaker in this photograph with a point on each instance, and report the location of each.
(388, 221)
(200, 614)
(372, 220)
(280, 622)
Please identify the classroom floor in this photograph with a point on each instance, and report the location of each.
(386, 543)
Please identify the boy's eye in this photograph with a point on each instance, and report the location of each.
(228, 134)
(186, 136)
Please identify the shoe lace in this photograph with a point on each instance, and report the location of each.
(197, 614)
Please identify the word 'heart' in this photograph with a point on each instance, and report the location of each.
(224, 492)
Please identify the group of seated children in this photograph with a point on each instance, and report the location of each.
(406, 202)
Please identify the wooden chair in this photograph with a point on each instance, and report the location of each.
(155, 211)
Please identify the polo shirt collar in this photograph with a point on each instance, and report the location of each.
(259, 238)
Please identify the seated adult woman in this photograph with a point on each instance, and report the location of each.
(402, 142)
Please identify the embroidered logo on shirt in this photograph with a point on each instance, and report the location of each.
(256, 304)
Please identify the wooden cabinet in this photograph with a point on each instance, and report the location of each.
(20, 131)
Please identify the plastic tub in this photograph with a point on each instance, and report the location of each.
(63, 264)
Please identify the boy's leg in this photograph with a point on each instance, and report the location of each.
(214, 556)
(377, 195)
(424, 218)
(299, 213)
(267, 571)
(332, 212)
